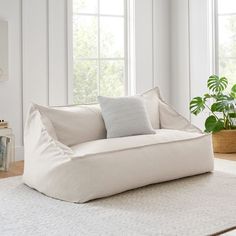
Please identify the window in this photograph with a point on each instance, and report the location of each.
(99, 49)
(226, 39)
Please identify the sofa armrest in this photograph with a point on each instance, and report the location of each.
(40, 136)
(171, 119)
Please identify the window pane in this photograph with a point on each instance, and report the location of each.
(112, 7)
(227, 68)
(226, 6)
(85, 81)
(98, 49)
(85, 38)
(85, 6)
(227, 36)
(112, 37)
(112, 78)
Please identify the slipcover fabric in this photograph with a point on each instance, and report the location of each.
(102, 167)
(78, 124)
(75, 124)
(125, 116)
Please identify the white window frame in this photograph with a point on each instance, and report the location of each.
(216, 35)
(129, 45)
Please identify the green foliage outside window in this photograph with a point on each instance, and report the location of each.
(93, 77)
(227, 49)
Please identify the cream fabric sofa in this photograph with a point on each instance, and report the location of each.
(68, 157)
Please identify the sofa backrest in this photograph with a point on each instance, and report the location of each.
(75, 124)
(82, 123)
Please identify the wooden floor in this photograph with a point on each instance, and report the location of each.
(18, 167)
(230, 157)
(15, 170)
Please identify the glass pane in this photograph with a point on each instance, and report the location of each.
(85, 6)
(227, 68)
(112, 37)
(226, 6)
(112, 78)
(227, 36)
(112, 7)
(85, 36)
(85, 81)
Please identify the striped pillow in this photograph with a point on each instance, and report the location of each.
(125, 116)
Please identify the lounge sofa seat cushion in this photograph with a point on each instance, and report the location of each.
(162, 136)
(98, 168)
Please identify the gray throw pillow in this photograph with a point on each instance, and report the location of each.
(125, 116)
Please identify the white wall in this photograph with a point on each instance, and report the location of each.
(144, 44)
(190, 53)
(11, 91)
(37, 59)
(39, 55)
(180, 81)
(3, 50)
(45, 61)
(200, 51)
(152, 44)
(152, 51)
(161, 46)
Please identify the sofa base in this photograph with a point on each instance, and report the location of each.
(92, 174)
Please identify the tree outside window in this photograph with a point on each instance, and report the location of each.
(99, 52)
(226, 39)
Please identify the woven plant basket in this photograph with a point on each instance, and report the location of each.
(224, 141)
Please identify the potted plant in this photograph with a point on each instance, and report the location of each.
(221, 106)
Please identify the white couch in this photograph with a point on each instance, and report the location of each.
(68, 157)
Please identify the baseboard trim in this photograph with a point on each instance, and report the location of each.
(19, 153)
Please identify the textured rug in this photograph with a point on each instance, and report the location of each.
(200, 205)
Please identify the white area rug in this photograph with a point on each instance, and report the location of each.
(225, 165)
(200, 205)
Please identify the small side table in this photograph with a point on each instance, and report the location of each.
(7, 148)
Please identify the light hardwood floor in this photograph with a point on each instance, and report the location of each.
(15, 170)
(18, 167)
(230, 157)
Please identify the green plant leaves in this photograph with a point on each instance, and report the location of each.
(213, 125)
(197, 105)
(233, 89)
(206, 96)
(220, 97)
(233, 92)
(217, 84)
(218, 107)
(232, 115)
(222, 106)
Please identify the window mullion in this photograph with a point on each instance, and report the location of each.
(216, 37)
(227, 14)
(127, 90)
(93, 14)
(99, 51)
(227, 58)
(101, 58)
